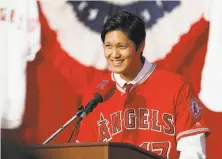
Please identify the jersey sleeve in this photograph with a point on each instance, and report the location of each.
(86, 131)
(189, 113)
(33, 30)
(88, 126)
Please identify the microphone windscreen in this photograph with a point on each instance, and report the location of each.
(106, 89)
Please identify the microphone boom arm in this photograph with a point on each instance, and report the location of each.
(79, 112)
(90, 106)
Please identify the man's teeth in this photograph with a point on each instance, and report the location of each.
(117, 62)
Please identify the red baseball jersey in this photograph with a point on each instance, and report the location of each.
(157, 111)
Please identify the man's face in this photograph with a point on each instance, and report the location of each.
(120, 52)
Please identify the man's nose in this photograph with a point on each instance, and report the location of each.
(115, 53)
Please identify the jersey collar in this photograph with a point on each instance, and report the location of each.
(144, 73)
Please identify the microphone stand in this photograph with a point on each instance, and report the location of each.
(78, 113)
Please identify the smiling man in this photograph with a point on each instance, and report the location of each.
(151, 108)
(122, 55)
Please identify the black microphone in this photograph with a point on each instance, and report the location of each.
(103, 91)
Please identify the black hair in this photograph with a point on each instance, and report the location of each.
(132, 25)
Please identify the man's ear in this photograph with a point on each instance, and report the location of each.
(142, 46)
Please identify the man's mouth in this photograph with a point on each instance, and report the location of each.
(117, 62)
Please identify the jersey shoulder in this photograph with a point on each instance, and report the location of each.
(167, 77)
(99, 78)
(88, 94)
(164, 81)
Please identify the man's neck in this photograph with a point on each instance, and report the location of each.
(133, 72)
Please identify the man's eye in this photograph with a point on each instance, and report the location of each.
(122, 46)
(108, 45)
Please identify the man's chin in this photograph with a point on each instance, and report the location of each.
(117, 71)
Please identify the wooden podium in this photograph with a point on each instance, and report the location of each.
(91, 151)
